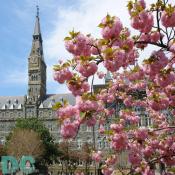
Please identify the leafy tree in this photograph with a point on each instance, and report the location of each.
(2, 150)
(50, 149)
(85, 156)
(69, 157)
(145, 84)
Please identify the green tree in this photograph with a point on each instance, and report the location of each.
(51, 151)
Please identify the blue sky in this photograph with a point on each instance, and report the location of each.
(17, 23)
(57, 17)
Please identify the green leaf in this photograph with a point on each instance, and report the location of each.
(66, 65)
(67, 38)
(82, 114)
(73, 34)
(65, 102)
(108, 132)
(101, 25)
(130, 5)
(108, 18)
(57, 106)
(108, 51)
(56, 67)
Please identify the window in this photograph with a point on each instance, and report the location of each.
(100, 144)
(19, 114)
(79, 144)
(106, 144)
(40, 113)
(50, 127)
(89, 141)
(145, 120)
(80, 163)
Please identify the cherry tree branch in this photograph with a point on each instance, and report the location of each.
(152, 43)
(158, 24)
(169, 127)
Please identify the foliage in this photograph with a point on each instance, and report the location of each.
(50, 150)
(69, 157)
(2, 150)
(25, 142)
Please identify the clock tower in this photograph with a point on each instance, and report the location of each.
(36, 66)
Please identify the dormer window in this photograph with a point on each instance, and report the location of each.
(16, 101)
(8, 101)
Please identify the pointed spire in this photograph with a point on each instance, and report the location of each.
(37, 30)
(37, 10)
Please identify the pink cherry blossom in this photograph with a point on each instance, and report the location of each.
(168, 20)
(80, 45)
(165, 79)
(119, 141)
(107, 170)
(141, 133)
(67, 112)
(155, 63)
(134, 158)
(111, 160)
(100, 75)
(97, 156)
(68, 130)
(87, 69)
(143, 22)
(62, 75)
(78, 88)
(155, 36)
(112, 28)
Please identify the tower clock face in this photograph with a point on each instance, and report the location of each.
(33, 60)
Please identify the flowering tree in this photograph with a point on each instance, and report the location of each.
(148, 84)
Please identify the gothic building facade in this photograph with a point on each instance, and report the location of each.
(37, 103)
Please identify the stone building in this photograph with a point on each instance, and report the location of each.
(37, 103)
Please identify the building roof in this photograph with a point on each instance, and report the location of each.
(16, 102)
(53, 98)
(11, 102)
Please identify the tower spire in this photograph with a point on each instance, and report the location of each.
(37, 10)
(37, 30)
(36, 64)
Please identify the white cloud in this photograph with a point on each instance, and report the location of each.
(84, 18)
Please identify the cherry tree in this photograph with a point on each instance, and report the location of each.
(148, 84)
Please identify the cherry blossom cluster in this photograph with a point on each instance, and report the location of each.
(144, 88)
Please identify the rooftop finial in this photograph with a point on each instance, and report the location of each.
(37, 11)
